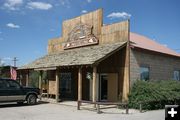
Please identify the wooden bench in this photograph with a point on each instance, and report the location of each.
(103, 103)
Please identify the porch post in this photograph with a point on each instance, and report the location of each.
(126, 74)
(94, 92)
(40, 80)
(57, 85)
(27, 78)
(80, 84)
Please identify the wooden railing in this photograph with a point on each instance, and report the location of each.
(97, 104)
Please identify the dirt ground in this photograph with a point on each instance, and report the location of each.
(48, 111)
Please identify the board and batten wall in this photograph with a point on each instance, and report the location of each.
(116, 32)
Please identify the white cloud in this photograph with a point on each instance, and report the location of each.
(89, 1)
(123, 15)
(65, 3)
(13, 4)
(39, 5)
(7, 58)
(2, 62)
(12, 25)
(84, 11)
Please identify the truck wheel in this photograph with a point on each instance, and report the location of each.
(31, 99)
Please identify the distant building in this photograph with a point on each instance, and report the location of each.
(5, 71)
(97, 62)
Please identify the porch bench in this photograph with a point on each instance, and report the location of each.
(103, 103)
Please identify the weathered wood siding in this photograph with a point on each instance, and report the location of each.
(52, 87)
(117, 32)
(93, 19)
(55, 45)
(113, 87)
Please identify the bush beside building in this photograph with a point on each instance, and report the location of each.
(154, 94)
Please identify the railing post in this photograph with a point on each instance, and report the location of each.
(140, 107)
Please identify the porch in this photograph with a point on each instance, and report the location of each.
(96, 73)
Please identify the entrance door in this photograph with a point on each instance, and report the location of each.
(103, 87)
(65, 85)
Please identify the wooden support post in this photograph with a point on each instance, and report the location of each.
(57, 85)
(140, 107)
(78, 105)
(94, 94)
(127, 109)
(27, 78)
(80, 84)
(40, 80)
(98, 109)
(126, 75)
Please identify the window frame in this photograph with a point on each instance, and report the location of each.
(145, 66)
(10, 87)
(178, 75)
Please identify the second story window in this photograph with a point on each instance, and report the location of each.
(144, 73)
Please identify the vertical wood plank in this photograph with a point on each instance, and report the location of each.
(40, 80)
(27, 78)
(80, 84)
(126, 75)
(94, 94)
(57, 85)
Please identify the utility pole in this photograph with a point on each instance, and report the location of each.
(15, 60)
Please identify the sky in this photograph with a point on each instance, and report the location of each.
(27, 25)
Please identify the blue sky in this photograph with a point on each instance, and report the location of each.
(27, 25)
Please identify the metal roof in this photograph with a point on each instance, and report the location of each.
(143, 42)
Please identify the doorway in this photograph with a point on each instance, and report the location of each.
(103, 87)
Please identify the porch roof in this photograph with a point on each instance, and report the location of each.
(79, 56)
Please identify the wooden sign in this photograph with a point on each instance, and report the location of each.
(81, 35)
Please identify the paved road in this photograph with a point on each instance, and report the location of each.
(61, 112)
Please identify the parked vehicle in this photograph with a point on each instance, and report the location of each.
(12, 91)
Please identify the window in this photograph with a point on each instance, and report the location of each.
(65, 82)
(144, 73)
(2, 85)
(13, 84)
(176, 75)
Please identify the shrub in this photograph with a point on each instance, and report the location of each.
(154, 94)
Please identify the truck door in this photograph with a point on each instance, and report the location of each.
(3, 93)
(15, 93)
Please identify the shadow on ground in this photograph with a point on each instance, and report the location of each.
(14, 104)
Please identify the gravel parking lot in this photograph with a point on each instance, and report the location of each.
(48, 111)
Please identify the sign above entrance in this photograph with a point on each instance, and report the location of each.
(81, 35)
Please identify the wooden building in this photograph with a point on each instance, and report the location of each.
(91, 61)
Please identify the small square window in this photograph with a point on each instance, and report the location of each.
(176, 75)
(144, 73)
